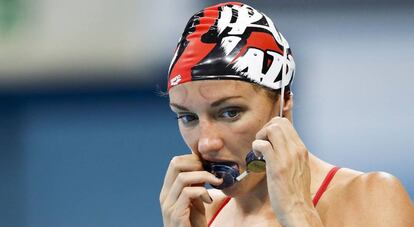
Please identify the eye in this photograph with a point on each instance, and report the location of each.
(187, 118)
(231, 113)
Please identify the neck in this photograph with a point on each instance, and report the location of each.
(256, 201)
(318, 169)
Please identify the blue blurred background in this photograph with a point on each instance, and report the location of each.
(85, 140)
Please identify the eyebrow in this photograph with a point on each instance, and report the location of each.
(214, 104)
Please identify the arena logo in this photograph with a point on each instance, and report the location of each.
(175, 80)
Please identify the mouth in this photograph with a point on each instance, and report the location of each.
(208, 165)
(226, 170)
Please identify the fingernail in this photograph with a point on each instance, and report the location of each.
(211, 199)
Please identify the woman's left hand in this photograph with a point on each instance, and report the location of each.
(287, 172)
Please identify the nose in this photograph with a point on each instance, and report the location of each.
(210, 140)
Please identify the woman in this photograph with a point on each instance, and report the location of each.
(229, 84)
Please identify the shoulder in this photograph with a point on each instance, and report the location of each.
(371, 199)
(376, 190)
(218, 199)
(375, 183)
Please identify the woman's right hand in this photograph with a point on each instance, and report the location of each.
(182, 194)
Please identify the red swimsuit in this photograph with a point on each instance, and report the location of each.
(318, 194)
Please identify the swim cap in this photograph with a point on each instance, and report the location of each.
(232, 41)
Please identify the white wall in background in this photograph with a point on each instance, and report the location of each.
(53, 36)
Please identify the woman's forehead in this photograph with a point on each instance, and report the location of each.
(210, 90)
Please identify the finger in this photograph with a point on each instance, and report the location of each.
(279, 127)
(265, 148)
(183, 163)
(281, 154)
(185, 179)
(277, 137)
(262, 134)
(192, 193)
(180, 210)
(198, 213)
(291, 149)
(257, 153)
(295, 145)
(291, 132)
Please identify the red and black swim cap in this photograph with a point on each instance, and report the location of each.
(232, 41)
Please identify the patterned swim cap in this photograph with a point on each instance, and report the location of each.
(232, 41)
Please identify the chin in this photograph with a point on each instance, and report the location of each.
(247, 185)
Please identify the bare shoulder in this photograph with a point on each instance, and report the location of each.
(218, 198)
(369, 199)
(376, 189)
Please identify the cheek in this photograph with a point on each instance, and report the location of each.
(245, 130)
(243, 133)
(251, 123)
(189, 136)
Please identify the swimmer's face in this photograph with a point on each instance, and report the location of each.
(219, 119)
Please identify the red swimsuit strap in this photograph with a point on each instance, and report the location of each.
(223, 204)
(325, 184)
